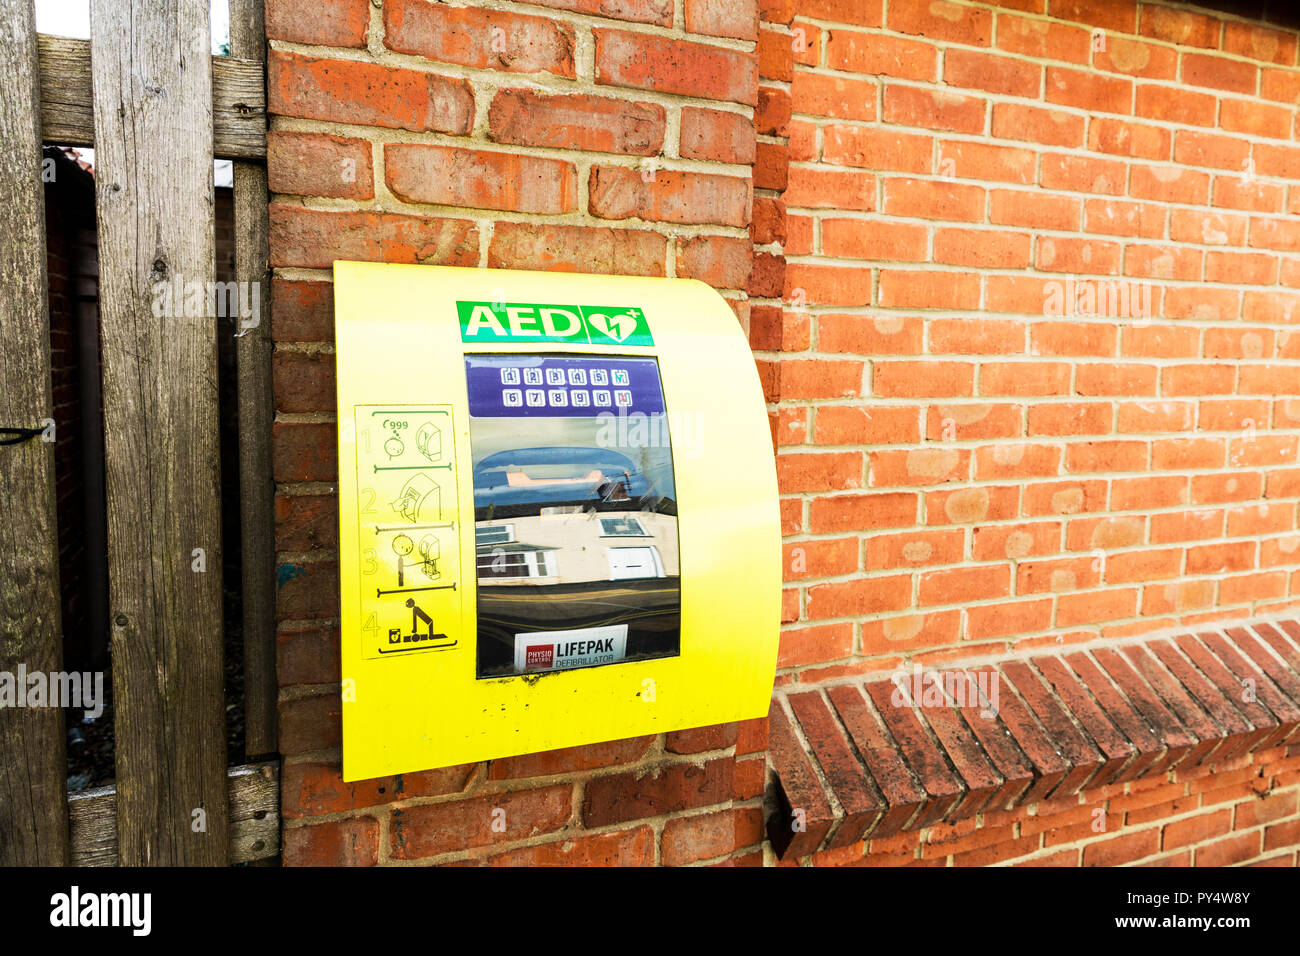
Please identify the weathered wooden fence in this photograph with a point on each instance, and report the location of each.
(146, 93)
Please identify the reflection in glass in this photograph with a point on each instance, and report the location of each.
(576, 525)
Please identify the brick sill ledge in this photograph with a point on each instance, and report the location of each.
(859, 759)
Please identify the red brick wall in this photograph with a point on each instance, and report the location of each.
(883, 195)
(1242, 812)
(965, 470)
(1098, 755)
(594, 137)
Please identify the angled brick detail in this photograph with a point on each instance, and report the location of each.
(805, 816)
(874, 759)
(881, 758)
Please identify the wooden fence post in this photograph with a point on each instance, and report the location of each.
(33, 772)
(256, 411)
(152, 79)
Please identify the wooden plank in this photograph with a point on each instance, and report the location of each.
(67, 116)
(256, 411)
(254, 818)
(154, 198)
(238, 108)
(254, 812)
(33, 774)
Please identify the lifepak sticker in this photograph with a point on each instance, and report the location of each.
(561, 650)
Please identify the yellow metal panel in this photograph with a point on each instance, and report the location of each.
(411, 699)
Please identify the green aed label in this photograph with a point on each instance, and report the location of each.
(534, 322)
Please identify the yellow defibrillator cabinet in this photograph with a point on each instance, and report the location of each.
(558, 518)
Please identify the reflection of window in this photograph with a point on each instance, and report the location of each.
(516, 564)
(494, 534)
(621, 526)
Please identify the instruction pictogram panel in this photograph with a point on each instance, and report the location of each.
(407, 529)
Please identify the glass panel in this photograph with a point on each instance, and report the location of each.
(571, 451)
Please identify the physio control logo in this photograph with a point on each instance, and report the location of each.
(538, 322)
(540, 657)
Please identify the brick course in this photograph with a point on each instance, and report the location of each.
(1081, 729)
(1099, 199)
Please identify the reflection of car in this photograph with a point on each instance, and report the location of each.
(551, 475)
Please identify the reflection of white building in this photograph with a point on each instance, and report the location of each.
(563, 546)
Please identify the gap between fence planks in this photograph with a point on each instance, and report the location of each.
(254, 818)
(154, 200)
(256, 410)
(33, 809)
(67, 110)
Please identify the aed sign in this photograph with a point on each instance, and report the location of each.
(558, 520)
(487, 322)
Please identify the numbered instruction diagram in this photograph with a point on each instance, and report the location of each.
(407, 528)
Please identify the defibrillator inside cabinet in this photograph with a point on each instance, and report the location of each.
(575, 527)
(558, 515)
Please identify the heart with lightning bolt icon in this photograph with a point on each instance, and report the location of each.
(617, 327)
